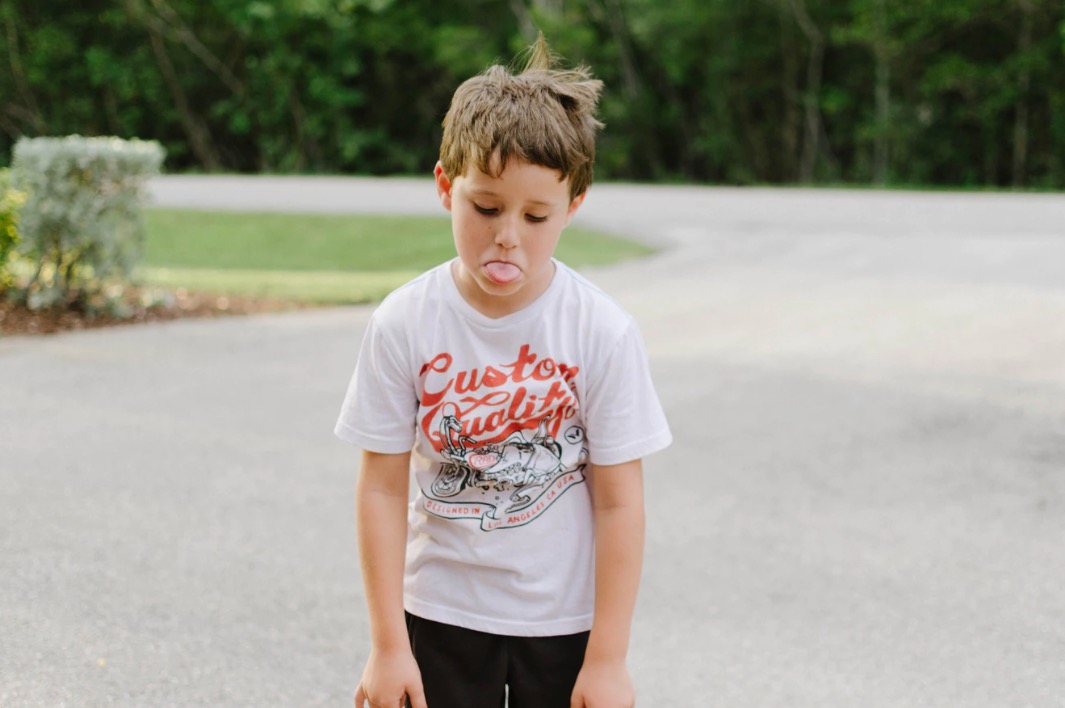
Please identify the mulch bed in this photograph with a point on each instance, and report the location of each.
(16, 319)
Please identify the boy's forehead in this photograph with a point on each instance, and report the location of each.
(534, 184)
(515, 169)
(495, 165)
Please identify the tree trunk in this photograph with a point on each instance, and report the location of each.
(114, 122)
(31, 111)
(299, 116)
(172, 24)
(1024, 80)
(199, 137)
(812, 99)
(791, 126)
(881, 148)
(613, 14)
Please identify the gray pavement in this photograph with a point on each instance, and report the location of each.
(864, 506)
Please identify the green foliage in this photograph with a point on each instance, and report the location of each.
(11, 200)
(319, 258)
(179, 238)
(82, 225)
(939, 92)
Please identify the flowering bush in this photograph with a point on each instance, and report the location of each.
(10, 201)
(82, 225)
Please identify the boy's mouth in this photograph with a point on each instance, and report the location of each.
(501, 272)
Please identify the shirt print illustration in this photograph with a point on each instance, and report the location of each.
(508, 437)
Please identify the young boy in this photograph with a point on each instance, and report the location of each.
(519, 395)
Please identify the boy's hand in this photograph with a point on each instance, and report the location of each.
(388, 678)
(603, 684)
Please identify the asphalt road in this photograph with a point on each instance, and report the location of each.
(864, 506)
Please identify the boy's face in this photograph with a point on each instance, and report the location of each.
(506, 229)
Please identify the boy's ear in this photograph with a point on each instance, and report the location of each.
(443, 185)
(574, 205)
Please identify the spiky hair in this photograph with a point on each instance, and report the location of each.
(543, 115)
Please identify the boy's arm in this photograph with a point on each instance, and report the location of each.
(381, 518)
(617, 501)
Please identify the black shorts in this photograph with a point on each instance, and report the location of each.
(464, 668)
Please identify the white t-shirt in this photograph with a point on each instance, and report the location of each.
(502, 417)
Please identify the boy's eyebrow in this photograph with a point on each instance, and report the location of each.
(490, 193)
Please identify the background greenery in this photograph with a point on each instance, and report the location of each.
(901, 92)
(319, 258)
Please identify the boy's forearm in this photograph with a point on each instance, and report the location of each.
(381, 520)
(619, 531)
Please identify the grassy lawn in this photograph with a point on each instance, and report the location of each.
(319, 258)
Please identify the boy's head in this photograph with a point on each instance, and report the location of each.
(542, 116)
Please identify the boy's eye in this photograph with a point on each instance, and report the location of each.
(493, 211)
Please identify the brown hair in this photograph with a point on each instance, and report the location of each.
(544, 116)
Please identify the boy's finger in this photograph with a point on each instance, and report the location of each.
(417, 697)
(360, 697)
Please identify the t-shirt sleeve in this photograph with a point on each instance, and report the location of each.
(624, 416)
(381, 406)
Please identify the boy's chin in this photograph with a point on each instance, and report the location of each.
(492, 288)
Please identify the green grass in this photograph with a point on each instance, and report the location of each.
(319, 258)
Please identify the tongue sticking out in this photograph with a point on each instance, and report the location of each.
(502, 272)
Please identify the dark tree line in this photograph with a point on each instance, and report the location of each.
(922, 92)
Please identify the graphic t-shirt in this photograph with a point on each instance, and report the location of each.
(502, 417)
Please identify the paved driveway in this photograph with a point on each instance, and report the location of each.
(865, 505)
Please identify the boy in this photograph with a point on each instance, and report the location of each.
(519, 396)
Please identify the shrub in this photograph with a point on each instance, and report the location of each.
(10, 201)
(82, 224)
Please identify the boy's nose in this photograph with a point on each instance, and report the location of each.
(508, 234)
